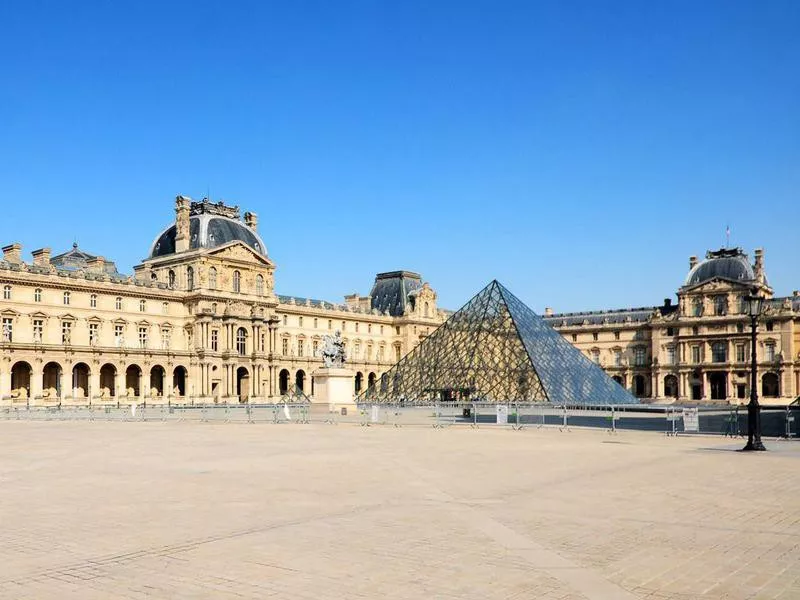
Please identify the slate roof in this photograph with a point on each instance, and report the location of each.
(208, 231)
(76, 259)
(601, 317)
(394, 290)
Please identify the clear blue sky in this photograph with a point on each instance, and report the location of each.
(579, 152)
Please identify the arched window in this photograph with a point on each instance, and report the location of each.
(171, 279)
(6, 292)
(237, 282)
(213, 308)
(189, 278)
(153, 276)
(66, 298)
(93, 301)
(37, 295)
(260, 285)
(118, 303)
(770, 385)
(241, 341)
(212, 278)
(142, 306)
(425, 310)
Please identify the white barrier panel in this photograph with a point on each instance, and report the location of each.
(691, 420)
(501, 410)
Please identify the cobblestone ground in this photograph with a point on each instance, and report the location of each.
(190, 510)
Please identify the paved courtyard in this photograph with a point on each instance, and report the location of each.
(192, 510)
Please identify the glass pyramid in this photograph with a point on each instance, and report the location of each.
(496, 349)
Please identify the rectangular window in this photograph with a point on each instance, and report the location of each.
(381, 329)
(285, 346)
(330, 324)
(301, 348)
(357, 349)
(740, 357)
(166, 338)
(38, 330)
(380, 353)
(618, 358)
(316, 322)
(214, 340)
(397, 330)
(37, 295)
(596, 356)
(770, 352)
(397, 355)
(315, 347)
(118, 303)
(671, 355)
(670, 332)
(574, 337)
(165, 307)
(6, 292)
(94, 329)
(356, 327)
(299, 321)
(93, 301)
(344, 326)
(369, 351)
(594, 336)
(8, 330)
(66, 332)
(719, 352)
(696, 355)
(639, 356)
(369, 328)
(285, 320)
(616, 335)
(142, 337)
(262, 342)
(770, 326)
(119, 335)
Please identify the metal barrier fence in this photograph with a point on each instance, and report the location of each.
(776, 422)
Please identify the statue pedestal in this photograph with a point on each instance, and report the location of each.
(334, 386)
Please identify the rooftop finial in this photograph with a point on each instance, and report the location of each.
(74, 245)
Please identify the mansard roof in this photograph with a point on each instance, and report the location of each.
(603, 317)
(76, 259)
(395, 290)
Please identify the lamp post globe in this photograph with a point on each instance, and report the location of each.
(755, 304)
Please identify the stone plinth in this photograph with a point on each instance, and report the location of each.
(334, 386)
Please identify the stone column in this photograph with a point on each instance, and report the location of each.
(94, 384)
(119, 383)
(36, 380)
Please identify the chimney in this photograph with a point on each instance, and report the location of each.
(758, 267)
(12, 253)
(251, 220)
(41, 257)
(796, 293)
(667, 302)
(692, 262)
(98, 263)
(548, 312)
(182, 205)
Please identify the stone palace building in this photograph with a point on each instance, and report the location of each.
(198, 320)
(698, 350)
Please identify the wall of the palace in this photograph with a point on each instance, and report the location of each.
(692, 357)
(73, 338)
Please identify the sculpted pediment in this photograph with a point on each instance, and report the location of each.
(718, 286)
(239, 251)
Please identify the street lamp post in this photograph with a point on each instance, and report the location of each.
(754, 305)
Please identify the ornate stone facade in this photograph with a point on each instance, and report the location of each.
(698, 349)
(199, 320)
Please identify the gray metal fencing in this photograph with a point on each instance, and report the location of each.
(777, 422)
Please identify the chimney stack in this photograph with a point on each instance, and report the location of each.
(692, 262)
(98, 263)
(548, 312)
(667, 302)
(758, 267)
(251, 220)
(13, 253)
(41, 257)
(182, 205)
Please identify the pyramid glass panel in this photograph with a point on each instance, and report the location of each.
(496, 349)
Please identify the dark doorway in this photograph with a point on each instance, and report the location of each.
(719, 385)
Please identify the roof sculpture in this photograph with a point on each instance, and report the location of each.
(497, 349)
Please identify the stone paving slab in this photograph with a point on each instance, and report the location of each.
(211, 510)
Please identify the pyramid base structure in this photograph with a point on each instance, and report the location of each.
(496, 349)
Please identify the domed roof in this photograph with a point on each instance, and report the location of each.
(729, 264)
(208, 231)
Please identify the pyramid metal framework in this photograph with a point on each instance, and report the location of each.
(496, 349)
